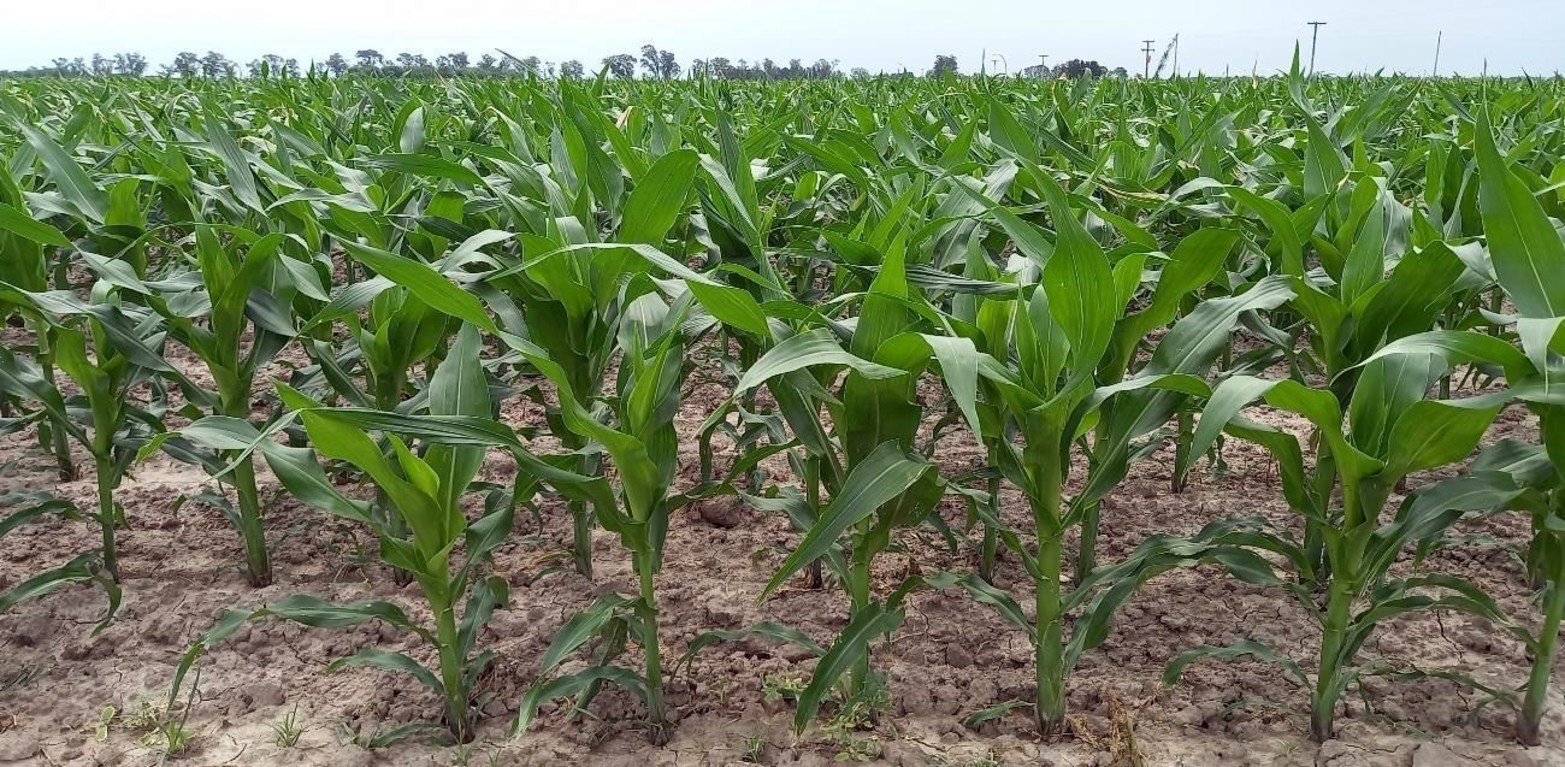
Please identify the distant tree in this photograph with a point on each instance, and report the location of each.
(486, 63)
(452, 62)
(656, 63)
(335, 65)
(185, 64)
(621, 65)
(945, 66)
(1080, 68)
(572, 70)
(102, 66)
(860, 73)
(823, 69)
(273, 65)
(718, 66)
(1120, 73)
(650, 61)
(133, 64)
(215, 64)
(369, 58)
(412, 61)
(70, 67)
(659, 64)
(530, 65)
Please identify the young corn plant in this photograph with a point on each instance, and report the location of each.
(644, 447)
(425, 492)
(25, 263)
(875, 480)
(395, 334)
(1040, 397)
(1527, 254)
(112, 353)
(1372, 286)
(571, 305)
(1391, 429)
(1524, 249)
(248, 321)
(1526, 478)
(640, 442)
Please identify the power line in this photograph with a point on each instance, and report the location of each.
(1146, 67)
(1314, 34)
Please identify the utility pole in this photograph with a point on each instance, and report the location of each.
(1146, 66)
(1043, 66)
(1314, 34)
(1439, 38)
(1176, 56)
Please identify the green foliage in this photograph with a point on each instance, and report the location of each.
(1067, 273)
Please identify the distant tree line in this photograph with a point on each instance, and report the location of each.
(1073, 69)
(652, 63)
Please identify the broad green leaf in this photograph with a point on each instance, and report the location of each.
(19, 223)
(658, 198)
(1528, 254)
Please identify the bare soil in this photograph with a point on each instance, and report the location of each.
(951, 658)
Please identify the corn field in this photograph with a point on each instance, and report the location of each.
(946, 421)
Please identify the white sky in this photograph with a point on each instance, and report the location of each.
(1513, 35)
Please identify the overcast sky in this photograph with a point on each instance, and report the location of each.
(1513, 35)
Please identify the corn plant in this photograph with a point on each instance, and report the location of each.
(1391, 429)
(639, 439)
(25, 263)
(112, 353)
(1524, 248)
(426, 492)
(246, 324)
(1038, 397)
(1526, 251)
(642, 443)
(875, 480)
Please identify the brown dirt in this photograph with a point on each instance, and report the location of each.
(952, 656)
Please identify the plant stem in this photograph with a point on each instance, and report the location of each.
(814, 577)
(1049, 658)
(858, 593)
(581, 537)
(1087, 550)
(1182, 439)
(1333, 634)
(582, 516)
(388, 394)
(1530, 717)
(451, 672)
(103, 467)
(59, 443)
(991, 544)
(656, 715)
(258, 565)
